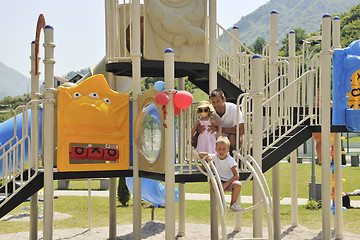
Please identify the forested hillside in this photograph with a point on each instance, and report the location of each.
(305, 14)
(349, 32)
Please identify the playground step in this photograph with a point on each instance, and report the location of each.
(20, 179)
(10, 186)
(292, 140)
(2, 197)
(201, 80)
(152, 68)
(22, 194)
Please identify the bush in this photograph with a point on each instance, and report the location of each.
(312, 205)
(123, 192)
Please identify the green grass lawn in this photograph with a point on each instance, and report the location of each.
(199, 95)
(353, 139)
(196, 211)
(350, 174)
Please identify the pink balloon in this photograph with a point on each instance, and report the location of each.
(183, 99)
(162, 98)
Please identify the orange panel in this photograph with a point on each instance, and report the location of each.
(92, 115)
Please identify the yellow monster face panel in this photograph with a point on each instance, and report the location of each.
(92, 120)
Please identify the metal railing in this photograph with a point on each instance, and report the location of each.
(255, 173)
(292, 104)
(118, 34)
(16, 154)
(233, 59)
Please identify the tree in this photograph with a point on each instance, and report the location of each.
(349, 26)
(259, 44)
(300, 35)
(123, 192)
(8, 105)
(150, 81)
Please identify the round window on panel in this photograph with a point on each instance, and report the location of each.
(147, 132)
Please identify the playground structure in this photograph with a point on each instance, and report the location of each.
(279, 113)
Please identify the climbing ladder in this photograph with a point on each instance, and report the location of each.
(255, 174)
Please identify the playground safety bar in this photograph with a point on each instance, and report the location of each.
(256, 175)
(260, 180)
(219, 192)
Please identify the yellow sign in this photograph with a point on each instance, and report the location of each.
(93, 127)
(354, 94)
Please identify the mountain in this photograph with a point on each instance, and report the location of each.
(305, 14)
(12, 83)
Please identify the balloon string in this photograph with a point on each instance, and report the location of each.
(164, 111)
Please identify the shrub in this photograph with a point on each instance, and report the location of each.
(123, 192)
(312, 205)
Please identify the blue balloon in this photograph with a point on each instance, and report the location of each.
(159, 86)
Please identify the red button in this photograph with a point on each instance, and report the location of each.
(95, 153)
(111, 154)
(78, 153)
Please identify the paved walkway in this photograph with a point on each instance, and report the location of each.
(190, 196)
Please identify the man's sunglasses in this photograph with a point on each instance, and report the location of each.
(200, 110)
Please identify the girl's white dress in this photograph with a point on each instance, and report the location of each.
(206, 140)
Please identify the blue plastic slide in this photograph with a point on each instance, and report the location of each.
(151, 191)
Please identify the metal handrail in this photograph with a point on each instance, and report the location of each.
(14, 162)
(260, 180)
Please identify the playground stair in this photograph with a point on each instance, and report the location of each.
(197, 73)
(201, 79)
(28, 188)
(285, 146)
(22, 193)
(152, 68)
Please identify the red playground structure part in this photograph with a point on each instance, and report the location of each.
(110, 154)
(93, 153)
(78, 153)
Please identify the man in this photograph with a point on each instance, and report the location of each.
(225, 114)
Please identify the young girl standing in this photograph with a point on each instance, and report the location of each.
(206, 140)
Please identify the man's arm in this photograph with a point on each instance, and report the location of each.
(232, 130)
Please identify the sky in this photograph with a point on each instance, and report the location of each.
(79, 30)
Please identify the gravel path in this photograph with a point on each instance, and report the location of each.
(154, 230)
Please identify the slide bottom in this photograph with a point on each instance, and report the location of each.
(151, 191)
